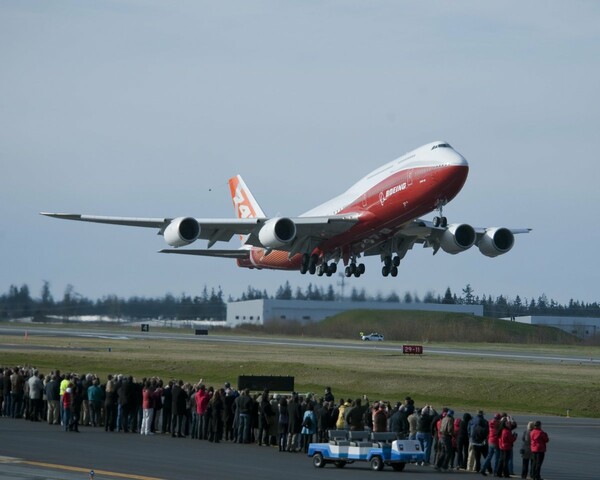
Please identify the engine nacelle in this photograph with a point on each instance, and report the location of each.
(277, 232)
(496, 241)
(458, 238)
(182, 231)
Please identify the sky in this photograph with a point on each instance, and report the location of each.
(146, 108)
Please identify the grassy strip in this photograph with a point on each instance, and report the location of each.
(463, 383)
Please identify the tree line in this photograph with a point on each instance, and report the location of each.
(19, 303)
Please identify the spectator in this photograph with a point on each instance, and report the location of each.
(539, 439)
(526, 449)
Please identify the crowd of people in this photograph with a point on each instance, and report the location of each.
(287, 421)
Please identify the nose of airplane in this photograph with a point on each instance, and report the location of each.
(456, 159)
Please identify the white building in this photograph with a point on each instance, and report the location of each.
(260, 311)
(583, 327)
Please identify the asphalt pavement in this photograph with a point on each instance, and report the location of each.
(31, 450)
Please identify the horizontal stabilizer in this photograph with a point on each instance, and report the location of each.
(209, 253)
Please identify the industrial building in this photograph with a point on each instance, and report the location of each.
(582, 327)
(260, 311)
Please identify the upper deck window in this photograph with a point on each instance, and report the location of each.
(441, 145)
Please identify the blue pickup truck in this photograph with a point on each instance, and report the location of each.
(378, 449)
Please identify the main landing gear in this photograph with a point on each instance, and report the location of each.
(309, 264)
(390, 266)
(354, 269)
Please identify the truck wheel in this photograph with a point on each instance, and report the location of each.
(376, 463)
(398, 466)
(318, 460)
(339, 463)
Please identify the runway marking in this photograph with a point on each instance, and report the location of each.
(87, 470)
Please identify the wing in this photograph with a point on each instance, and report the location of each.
(456, 238)
(310, 231)
(241, 253)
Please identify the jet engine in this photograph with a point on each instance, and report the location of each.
(457, 238)
(182, 231)
(496, 241)
(277, 232)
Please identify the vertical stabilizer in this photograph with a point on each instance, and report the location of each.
(244, 203)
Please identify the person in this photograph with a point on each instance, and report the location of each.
(95, 398)
(493, 451)
(539, 439)
(424, 431)
(379, 417)
(295, 425)
(67, 401)
(355, 415)
(244, 406)
(53, 398)
(265, 414)
(328, 395)
(216, 405)
(283, 423)
(309, 426)
(462, 441)
(446, 434)
(506, 439)
(526, 449)
(148, 408)
(478, 433)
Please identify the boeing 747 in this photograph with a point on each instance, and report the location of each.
(378, 215)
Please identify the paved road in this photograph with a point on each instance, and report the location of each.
(95, 332)
(573, 450)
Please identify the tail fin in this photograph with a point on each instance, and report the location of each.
(244, 203)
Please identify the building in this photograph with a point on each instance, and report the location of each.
(260, 311)
(582, 327)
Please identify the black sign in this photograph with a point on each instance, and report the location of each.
(258, 383)
(412, 349)
(145, 327)
(201, 331)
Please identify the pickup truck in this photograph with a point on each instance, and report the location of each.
(376, 448)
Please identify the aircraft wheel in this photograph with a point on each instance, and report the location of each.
(305, 260)
(376, 463)
(396, 261)
(387, 261)
(312, 268)
(303, 269)
(436, 221)
(333, 267)
(361, 268)
(385, 271)
(329, 273)
(394, 271)
(318, 460)
(443, 222)
(348, 271)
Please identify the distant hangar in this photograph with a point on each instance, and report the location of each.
(258, 312)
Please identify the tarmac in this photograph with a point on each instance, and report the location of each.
(35, 450)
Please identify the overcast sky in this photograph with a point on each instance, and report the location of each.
(146, 108)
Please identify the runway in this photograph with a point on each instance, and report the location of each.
(392, 347)
(37, 450)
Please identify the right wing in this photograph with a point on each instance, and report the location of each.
(309, 231)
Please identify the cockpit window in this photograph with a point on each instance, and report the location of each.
(441, 145)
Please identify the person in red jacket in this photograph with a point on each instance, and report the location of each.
(506, 439)
(539, 439)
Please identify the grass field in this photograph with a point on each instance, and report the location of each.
(464, 383)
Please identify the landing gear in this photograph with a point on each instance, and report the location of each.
(355, 269)
(440, 220)
(390, 266)
(310, 264)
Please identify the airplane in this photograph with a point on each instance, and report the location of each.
(378, 215)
